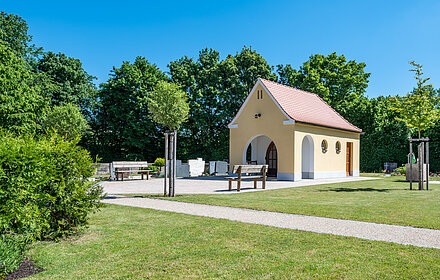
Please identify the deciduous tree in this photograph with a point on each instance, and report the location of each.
(21, 99)
(216, 89)
(419, 110)
(126, 131)
(72, 84)
(338, 81)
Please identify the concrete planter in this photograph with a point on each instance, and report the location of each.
(415, 172)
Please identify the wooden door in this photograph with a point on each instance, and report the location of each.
(271, 160)
(348, 161)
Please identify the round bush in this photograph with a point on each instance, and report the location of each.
(44, 186)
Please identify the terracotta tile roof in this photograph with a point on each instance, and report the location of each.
(306, 107)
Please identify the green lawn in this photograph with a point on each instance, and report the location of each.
(386, 200)
(135, 243)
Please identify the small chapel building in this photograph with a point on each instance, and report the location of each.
(295, 132)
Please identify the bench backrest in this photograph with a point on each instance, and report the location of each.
(129, 164)
(238, 169)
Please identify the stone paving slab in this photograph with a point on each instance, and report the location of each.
(210, 185)
(381, 232)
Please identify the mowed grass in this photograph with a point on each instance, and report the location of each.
(135, 243)
(387, 200)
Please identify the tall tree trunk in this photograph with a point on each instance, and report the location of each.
(172, 172)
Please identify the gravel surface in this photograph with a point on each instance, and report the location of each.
(210, 185)
(398, 234)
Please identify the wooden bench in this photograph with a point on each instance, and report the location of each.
(255, 169)
(130, 167)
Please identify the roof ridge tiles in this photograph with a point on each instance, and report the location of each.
(290, 87)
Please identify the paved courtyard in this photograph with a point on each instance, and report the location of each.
(209, 185)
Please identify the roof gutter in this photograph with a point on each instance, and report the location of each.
(326, 126)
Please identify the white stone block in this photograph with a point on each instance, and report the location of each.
(196, 167)
(221, 167)
(212, 167)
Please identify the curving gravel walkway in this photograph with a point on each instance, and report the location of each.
(420, 237)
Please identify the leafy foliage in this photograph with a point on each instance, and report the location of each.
(168, 105)
(21, 98)
(66, 120)
(338, 81)
(71, 83)
(419, 110)
(125, 130)
(13, 32)
(44, 187)
(216, 90)
(385, 138)
(159, 162)
(12, 248)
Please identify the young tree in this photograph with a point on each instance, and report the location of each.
(419, 110)
(169, 107)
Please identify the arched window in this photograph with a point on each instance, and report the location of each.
(324, 146)
(338, 147)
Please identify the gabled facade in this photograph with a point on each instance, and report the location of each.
(295, 132)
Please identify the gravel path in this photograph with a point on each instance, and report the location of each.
(398, 234)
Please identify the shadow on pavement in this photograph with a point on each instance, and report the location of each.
(355, 190)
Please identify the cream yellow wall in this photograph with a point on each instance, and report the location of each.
(288, 140)
(329, 164)
(269, 124)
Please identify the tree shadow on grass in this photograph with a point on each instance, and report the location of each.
(355, 190)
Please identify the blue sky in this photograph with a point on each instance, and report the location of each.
(383, 34)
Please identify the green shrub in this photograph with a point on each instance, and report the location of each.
(44, 186)
(152, 168)
(159, 162)
(12, 248)
(401, 170)
(65, 120)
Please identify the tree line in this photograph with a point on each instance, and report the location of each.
(43, 90)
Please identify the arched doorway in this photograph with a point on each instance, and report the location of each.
(271, 159)
(260, 149)
(307, 158)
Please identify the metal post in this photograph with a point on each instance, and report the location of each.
(165, 171)
(427, 164)
(410, 164)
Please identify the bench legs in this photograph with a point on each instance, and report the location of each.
(117, 176)
(147, 174)
(239, 184)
